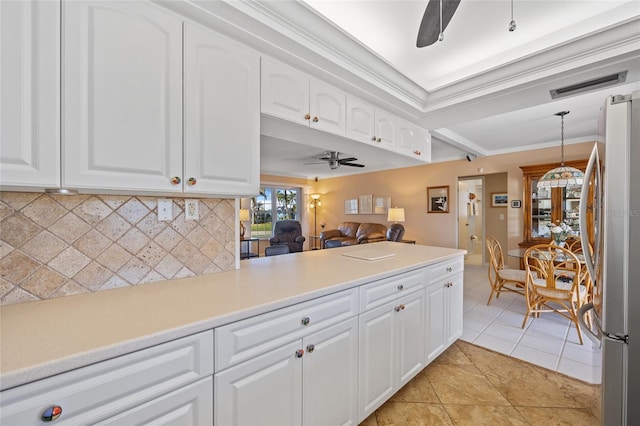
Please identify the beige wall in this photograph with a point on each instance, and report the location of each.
(495, 217)
(407, 188)
(54, 245)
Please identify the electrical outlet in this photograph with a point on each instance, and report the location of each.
(165, 210)
(501, 216)
(191, 210)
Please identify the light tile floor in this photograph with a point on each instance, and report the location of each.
(549, 341)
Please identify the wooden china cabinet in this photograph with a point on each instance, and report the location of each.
(548, 206)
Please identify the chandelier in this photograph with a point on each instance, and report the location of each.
(562, 176)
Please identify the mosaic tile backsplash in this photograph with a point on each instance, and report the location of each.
(54, 245)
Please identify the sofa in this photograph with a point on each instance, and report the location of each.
(350, 233)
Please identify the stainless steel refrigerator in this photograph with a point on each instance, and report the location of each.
(613, 174)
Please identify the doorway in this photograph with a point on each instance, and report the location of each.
(471, 219)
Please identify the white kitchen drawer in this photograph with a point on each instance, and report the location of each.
(380, 292)
(243, 340)
(447, 268)
(99, 391)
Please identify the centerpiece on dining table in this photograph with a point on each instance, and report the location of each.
(560, 233)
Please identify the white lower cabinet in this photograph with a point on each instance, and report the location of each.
(166, 384)
(310, 381)
(444, 314)
(392, 346)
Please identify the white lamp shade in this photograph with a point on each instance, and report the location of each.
(395, 214)
(244, 215)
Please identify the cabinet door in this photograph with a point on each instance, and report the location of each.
(222, 114)
(327, 108)
(330, 368)
(122, 96)
(455, 308)
(285, 92)
(376, 356)
(266, 390)
(411, 337)
(360, 120)
(386, 126)
(30, 94)
(436, 320)
(190, 405)
(414, 141)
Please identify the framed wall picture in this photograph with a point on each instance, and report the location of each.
(381, 205)
(499, 199)
(366, 204)
(438, 199)
(351, 206)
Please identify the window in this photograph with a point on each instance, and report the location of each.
(278, 203)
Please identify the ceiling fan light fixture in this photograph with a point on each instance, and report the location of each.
(512, 24)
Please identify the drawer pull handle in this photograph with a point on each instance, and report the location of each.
(51, 413)
(399, 308)
(310, 348)
(305, 321)
(299, 353)
(449, 269)
(400, 287)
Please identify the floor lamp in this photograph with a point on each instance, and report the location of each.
(315, 203)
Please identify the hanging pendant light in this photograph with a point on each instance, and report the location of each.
(562, 176)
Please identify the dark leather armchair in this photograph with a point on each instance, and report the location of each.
(395, 232)
(288, 232)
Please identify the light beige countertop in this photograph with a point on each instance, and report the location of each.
(40, 339)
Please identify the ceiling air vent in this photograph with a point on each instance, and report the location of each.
(589, 85)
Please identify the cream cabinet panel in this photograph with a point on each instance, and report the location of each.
(285, 92)
(330, 376)
(360, 120)
(222, 115)
(386, 127)
(327, 108)
(444, 314)
(414, 141)
(122, 121)
(411, 337)
(30, 94)
(191, 405)
(265, 390)
(455, 305)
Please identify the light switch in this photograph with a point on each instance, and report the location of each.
(165, 210)
(501, 216)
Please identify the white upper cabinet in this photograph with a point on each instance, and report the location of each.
(386, 128)
(221, 114)
(360, 120)
(30, 94)
(327, 108)
(122, 97)
(414, 141)
(285, 92)
(293, 96)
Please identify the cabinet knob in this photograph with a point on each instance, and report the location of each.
(400, 287)
(315, 119)
(176, 180)
(399, 308)
(299, 353)
(373, 138)
(449, 284)
(51, 413)
(307, 117)
(192, 181)
(379, 140)
(449, 269)
(310, 348)
(418, 153)
(305, 321)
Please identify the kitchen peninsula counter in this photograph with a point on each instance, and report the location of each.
(44, 338)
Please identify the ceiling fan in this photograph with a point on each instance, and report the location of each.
(435, 19)
(334, 160)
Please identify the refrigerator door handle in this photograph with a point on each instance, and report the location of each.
(600, 333)
(596, 337)
(591, 260)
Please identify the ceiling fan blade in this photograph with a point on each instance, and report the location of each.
(430, 25)
(343, 160)
(352, 164)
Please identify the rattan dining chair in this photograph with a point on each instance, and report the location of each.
(553, 283)
(501, 278)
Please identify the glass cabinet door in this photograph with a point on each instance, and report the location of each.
(571, 207)
(540, 211)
